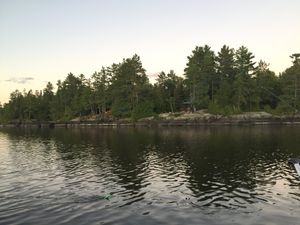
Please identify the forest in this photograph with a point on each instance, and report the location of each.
(227, 82)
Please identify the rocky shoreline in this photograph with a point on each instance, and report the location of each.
(172, 119)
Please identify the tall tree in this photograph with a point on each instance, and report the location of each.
(129, 86)
(244, 86)
(225, 65)
(267, 84)
(57, 105)
(46, 102)
(16, 106)
(100, 85)
(171, 91)
(82, 101)
(28, 104)
(201, 76)
(290, 81)
(66, 102)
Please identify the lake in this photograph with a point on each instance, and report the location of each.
(217, 175)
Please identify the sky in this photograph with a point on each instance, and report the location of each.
(44, 40)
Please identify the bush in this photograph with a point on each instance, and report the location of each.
(120, 109)
(231, 110)
(284, 109)
(142, 110)
(216, 109)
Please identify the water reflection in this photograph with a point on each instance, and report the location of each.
(145, 171)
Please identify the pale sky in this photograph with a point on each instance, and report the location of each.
(44, 40)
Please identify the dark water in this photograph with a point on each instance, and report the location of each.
(220, 175)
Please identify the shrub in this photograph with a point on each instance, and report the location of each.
(215, 108)
(120, 109)
(142, 110)
(284, 109)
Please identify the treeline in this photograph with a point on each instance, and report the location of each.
(226, 82)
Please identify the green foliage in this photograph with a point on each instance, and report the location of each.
(121, 109)
(100, 92)
(227, 83)
(170, 89)
(225, 93)
(201, 77)
(284, 108)
(225, 65)
(290, 84)
(268, 86)
(129, 85)
(244, 86)
(142, 110)
(216, 109)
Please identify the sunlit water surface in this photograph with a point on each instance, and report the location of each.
(219, 175)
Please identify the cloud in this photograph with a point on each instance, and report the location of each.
(153, 75)
(20, 80)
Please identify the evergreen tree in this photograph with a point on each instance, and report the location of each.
(100, 85)
(16, 106)
(290, 82)
(225, 65)
(46, 102)
(267, 86)
(66, 104)
(245, 94)
(171, 91)
(129, 87)
(226, 83)
(201, 77)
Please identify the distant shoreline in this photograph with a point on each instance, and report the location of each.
(169, 120)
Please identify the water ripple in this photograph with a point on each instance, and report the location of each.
(88, 177)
